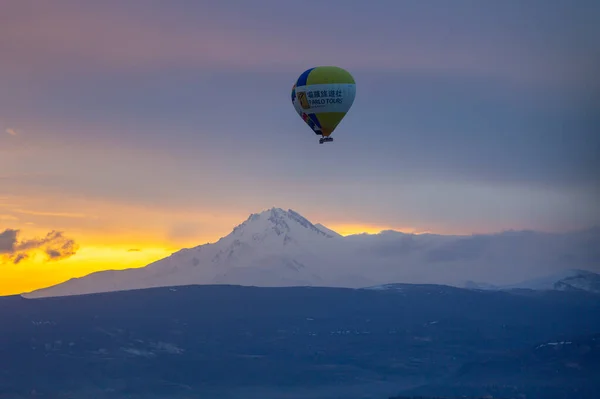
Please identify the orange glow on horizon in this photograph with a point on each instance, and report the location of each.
(36, 273)
(111, 236)
(351, 229)
(108, 236)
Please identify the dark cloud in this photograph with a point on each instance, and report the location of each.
(54, 245)
(8, 240)
(19, 257)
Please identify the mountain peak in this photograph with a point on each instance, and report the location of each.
(276, 222)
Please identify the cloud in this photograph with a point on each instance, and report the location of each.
(59, 35)
(54, 245)
(463, 250)
(56, 214)
(51, 37)
(8, 240)
(19, 258)
(8, 217)
(134, 250)
(12, 132)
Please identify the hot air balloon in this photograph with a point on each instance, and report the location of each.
(322, 96)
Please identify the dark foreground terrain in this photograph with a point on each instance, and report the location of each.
(242, 342)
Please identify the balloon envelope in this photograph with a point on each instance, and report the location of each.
(322, 96)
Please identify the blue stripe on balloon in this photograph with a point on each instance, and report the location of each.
(314, 118)
(302, 79)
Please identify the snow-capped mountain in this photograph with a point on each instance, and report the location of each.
(583, 280)
(271, 248)
(568, 280)
(282, 248)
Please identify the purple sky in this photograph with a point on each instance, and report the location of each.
(469, 115)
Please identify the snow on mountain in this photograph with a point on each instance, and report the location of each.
(327, 230)
(480, 286)
(549, 282)
(584, 280)
(271, 248)
(282, 248)
(567, 280)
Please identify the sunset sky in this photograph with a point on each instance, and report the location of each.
(131, 129)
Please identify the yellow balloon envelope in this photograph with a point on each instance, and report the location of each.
(322, 96)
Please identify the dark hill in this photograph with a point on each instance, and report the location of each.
(244, 342)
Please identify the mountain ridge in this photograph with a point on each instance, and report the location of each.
(570, 279)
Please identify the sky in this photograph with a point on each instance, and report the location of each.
(130, 129)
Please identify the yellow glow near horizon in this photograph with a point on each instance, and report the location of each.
(99, 253)
(108, 235)
(350, 229)
(111, 236)
(36, 273)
